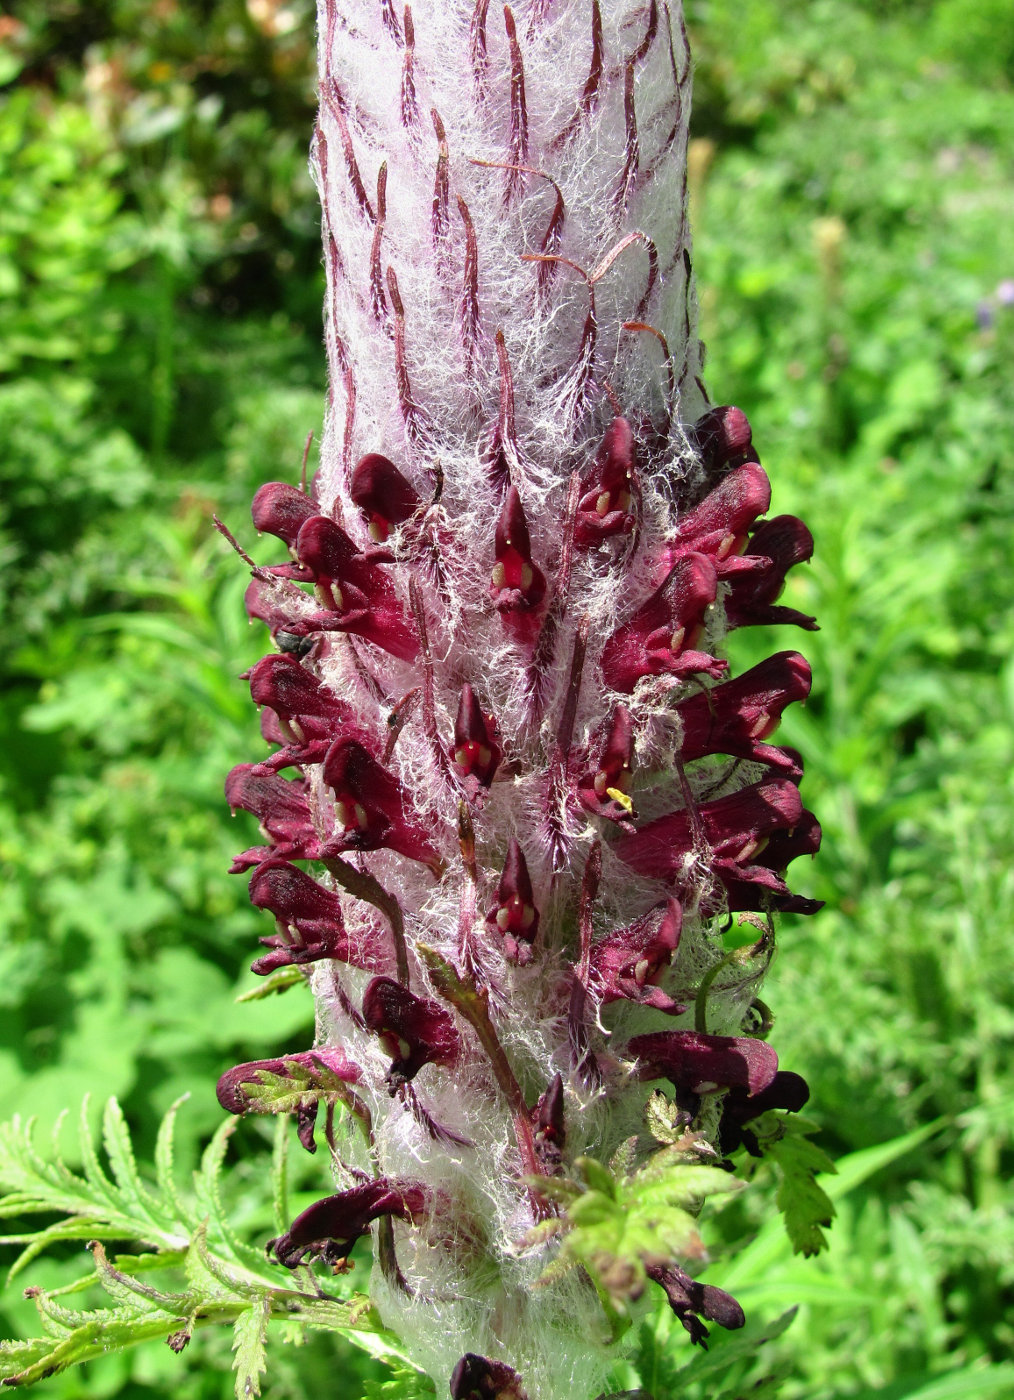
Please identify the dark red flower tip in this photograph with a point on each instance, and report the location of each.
(603, 790)
(476, 753)
(310, 922)
(722, 438)
(514, 913)
(280, 806)
(242, 1089)
(281, 510)
(371, 808)
(737, 716)
(415, 1030)
(517, 584)
(627, 964)
(691, 1300)
(329, 1228)
(736, 826)
(479, 1378)
(605, 507)
(784, 542)
(699, 1063)
(383, 494)
(547, 1120)
(661, 636)
(720, 525)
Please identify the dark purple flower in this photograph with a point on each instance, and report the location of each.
(328, 1229)
(788, 1091)
(691, 1301)
(784, 541)
(606, 503)
(737, 716)
(626, 964)
(722, 438)
(414, 1030)
(479, 1378)
(371, 809)
(281, 808)
(310, 715)
(761, 884)
(514, 914)
(738, 828)
(358, 595)
(383, 494)
(311, 926)
(240, 1088)
(291, 1083)
(719, 526)
(699, 1063)
(547, 1120)
(281, 510)
(662, 635)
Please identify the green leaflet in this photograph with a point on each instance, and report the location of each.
(250, 1332)
(806, 1207)
(194, 1271)
(615, 1221)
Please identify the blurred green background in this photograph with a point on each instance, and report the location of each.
(160, 356)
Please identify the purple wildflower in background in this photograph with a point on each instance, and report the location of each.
(522, 786)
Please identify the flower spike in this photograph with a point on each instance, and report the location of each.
(504, 619)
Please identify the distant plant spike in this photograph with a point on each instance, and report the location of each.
(526, 785)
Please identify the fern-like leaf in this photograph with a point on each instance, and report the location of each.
(193, 1269)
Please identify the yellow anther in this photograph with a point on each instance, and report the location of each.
(618, 795)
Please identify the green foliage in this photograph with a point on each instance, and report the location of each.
(615, 1221)
(189, 1269)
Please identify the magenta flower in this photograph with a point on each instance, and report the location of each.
(526, 784)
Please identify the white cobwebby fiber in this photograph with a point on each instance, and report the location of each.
(427, 245)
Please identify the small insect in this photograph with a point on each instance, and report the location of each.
(293, 644)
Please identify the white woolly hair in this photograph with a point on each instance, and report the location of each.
(460, 146)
